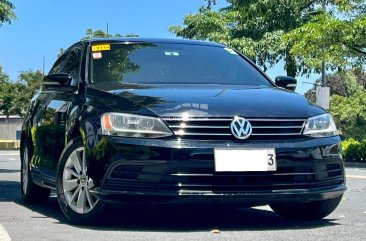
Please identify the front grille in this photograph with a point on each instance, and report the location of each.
(219, 128)
(303, 175)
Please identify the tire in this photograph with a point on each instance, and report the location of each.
(307, 211)
(31, 192)
(73, 185)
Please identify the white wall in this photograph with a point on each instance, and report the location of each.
(8, 128)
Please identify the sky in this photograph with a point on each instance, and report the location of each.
(43, 27)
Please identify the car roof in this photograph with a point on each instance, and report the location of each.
(151, 40)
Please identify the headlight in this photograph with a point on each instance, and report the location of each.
(133, 126)
(320, 126)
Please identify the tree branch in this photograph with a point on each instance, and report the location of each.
(307, 5)
(355, 49)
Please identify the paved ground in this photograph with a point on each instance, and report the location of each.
(20, 222)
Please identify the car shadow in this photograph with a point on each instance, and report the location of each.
(176, 219)
(172, 219)
(9, 191)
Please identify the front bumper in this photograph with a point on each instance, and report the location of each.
(248, 198)
(173, 171)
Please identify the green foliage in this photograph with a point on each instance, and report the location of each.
(337, 83)
(3, 76)
(241, 27)
(342, 35)
(45, 138)
(90, 33)
(8, 93)
(349, 111)
(29, 82)
(255, 28)
(268, 31)
(32, 79)
(15, 96)
(6, 12)
(354, 151)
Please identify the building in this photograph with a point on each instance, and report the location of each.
(10, 129)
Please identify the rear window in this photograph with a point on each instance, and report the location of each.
(163, 63)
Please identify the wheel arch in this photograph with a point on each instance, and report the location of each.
(26, 137)
(73, 131)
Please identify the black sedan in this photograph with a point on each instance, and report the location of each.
(174, 122)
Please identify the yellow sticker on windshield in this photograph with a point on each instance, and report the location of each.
(101, 47)
(231, 51)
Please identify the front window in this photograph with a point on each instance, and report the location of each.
(163, 63)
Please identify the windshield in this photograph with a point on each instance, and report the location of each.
(162, 63)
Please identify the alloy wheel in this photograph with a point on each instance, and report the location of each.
(76, 183)
(25, 170)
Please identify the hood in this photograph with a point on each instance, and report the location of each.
(214, 100)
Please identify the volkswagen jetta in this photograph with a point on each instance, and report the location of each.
(157, 121)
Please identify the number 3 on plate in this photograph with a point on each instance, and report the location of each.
(270, 159)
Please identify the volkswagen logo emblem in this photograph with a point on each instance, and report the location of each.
(241, 128)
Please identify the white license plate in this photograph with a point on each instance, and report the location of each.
(245, 160)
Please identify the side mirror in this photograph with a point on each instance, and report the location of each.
(59, 81)
(286, 82)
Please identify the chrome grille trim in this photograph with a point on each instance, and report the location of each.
(279, 127)
(226, 119)
(191, 174)
(224, 134)
(200, 134)
(214, 127)
(277, 134)
(272, 174)
(264, 119)
(223, 127)
(187, 126)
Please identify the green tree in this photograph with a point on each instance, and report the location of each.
(342, 33)
(29, 82)
(6, 12)
(32, 80)
(90, 33)
(262, 29)
(350, 112)
(4, 90)
(9, 92)
(253, 27)
(3, 76)
(15, 96)
(337, 83)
